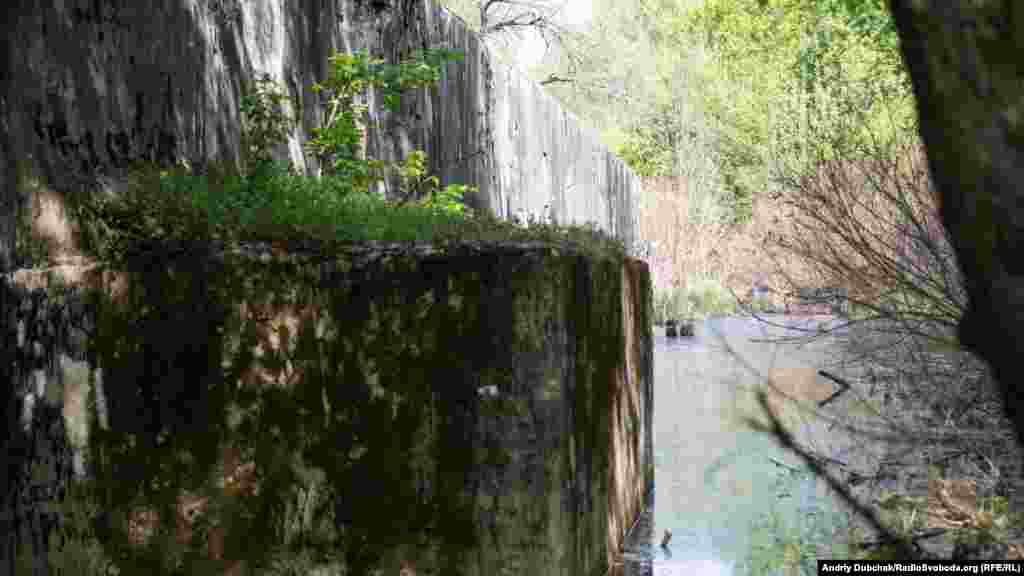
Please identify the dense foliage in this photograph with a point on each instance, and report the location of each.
(720, 105)
(749, 84)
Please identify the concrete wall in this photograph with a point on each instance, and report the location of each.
(90, 86)
(87, 87)
(498, 130)
(522, 376)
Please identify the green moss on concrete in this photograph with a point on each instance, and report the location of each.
(374, 383)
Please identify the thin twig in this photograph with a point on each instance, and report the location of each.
(914, 538)
(778, 462)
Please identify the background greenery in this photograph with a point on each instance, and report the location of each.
(717, 104)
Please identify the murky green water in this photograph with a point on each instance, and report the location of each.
(735, 502)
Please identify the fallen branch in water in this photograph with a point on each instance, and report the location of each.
(843, 387)
(817, 457)
(828, 460)
(778, 462)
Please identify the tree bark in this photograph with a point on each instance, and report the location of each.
(964, 60)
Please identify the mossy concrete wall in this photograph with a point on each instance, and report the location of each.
(485, 410)
(90, 87)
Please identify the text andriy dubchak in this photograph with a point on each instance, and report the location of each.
(976, 567)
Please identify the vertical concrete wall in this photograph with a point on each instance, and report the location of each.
(541, 429)
(91, 86)
(488, 125)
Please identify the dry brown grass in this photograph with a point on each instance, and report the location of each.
(871, 225)
(686, 245)
(695, 241)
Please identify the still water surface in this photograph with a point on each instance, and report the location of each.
(735, 502)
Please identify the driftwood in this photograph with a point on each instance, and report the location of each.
(843, 387)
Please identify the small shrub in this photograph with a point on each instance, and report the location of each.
(707, 296)
(264, 122)
(670, 305)
(762, 304)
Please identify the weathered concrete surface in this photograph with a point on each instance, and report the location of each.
(91, 86)
(527, 154)
(542, 427)
(86, 88)
(45, 382)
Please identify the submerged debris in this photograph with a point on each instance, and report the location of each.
(670, 329)
(677, 328)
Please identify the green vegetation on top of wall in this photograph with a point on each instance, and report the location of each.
(268, 201)
(180, 208)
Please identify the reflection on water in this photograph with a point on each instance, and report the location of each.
(734, 501)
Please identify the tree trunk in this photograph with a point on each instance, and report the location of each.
(964, 62)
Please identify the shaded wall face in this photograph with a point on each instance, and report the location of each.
(631, 469)
(42, 346)
(572, 415)
(520, 404)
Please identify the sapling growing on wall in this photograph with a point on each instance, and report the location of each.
(338, 144)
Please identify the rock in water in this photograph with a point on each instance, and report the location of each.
(686, 329)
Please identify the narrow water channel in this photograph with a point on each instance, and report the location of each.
(734, 501)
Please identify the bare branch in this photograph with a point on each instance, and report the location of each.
(907, 548)
(554, 78)
(504, 20)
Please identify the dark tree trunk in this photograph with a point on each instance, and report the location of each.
(964, 59)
